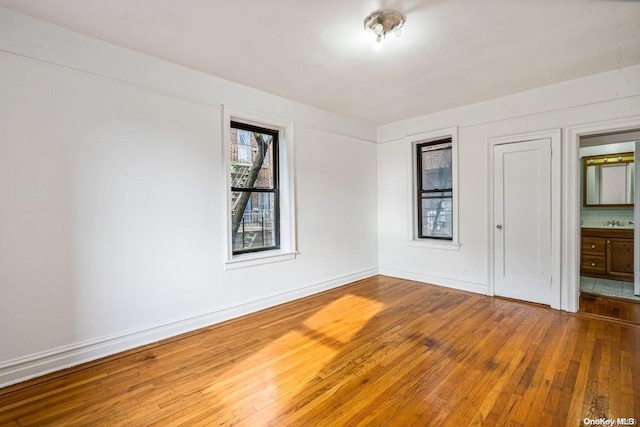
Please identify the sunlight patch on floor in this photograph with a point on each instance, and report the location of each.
(331, 323)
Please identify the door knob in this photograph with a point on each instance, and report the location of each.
(499, 226)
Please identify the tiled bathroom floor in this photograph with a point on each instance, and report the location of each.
(608, 287)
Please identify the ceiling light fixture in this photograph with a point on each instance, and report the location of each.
(382, 22)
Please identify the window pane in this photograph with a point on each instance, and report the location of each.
(437, 215)
(244, 146)
(251, 159)
(255, 223)
(436, 167)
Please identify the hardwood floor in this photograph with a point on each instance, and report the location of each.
(380, 351)
(627, 310)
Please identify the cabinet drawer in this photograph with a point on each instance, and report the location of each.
(594, 264)
(594, 245)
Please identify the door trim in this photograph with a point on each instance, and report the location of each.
(571, 220)
(636, 222)
(555, 136)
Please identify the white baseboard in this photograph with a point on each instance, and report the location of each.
(38, 364)
(478, 288)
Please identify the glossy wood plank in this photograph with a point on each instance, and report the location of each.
(381, 351)
(627, 310)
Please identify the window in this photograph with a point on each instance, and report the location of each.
(260, 213)
(255, 196)
(435, 189)
(432, 189)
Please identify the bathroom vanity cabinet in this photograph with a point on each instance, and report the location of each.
(607, 253)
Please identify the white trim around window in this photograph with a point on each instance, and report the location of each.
(412, 233)
(287, 249)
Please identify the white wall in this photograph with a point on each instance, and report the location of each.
(598, 98)
(111, 220)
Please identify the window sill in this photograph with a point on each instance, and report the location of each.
(434, 244)
(259, 258)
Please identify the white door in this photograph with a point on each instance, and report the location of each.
(522, 220)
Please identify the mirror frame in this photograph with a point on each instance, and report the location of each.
(601, 160)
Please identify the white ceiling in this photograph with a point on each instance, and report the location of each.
(452, 52)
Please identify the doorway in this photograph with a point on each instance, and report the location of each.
(608, 209)
(571, 220)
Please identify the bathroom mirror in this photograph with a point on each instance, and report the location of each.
(608, 180)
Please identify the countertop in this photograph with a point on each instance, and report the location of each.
(601, 224)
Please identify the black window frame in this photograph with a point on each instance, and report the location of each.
(275, 179)
(442, 191)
